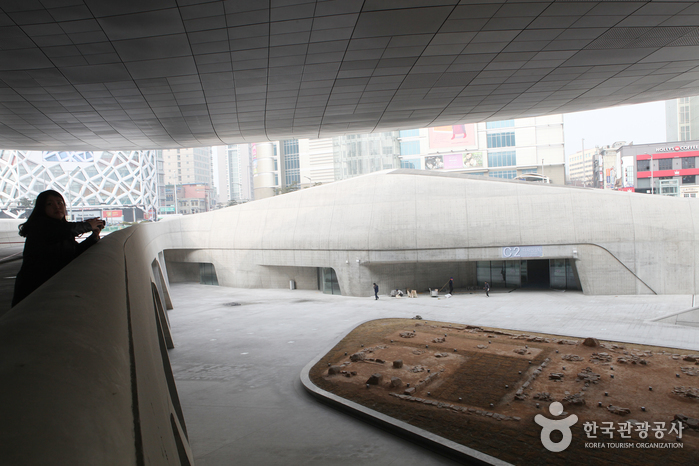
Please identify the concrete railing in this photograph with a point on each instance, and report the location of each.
(86, 378)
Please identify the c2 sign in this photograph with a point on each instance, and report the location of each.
(512, 252)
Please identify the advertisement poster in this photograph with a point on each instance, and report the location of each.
(113, 216)
(442, 137)
(434, 162)
(473, 160)
(453, 161)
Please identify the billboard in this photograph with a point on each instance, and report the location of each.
(473, 159)
(453, 161)
(442, 137)
(434, 162)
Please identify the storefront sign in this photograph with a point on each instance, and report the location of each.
(522, 251)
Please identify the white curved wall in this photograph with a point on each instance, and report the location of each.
(623, 243)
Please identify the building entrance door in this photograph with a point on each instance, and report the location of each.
(537, 274)
(327, 281)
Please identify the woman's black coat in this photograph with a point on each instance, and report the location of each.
(50, 245)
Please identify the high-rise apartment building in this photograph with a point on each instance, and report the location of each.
(682, 119)
(188, 166)
(233, 173)
(321, 167)
(580, 167)
(358, 154)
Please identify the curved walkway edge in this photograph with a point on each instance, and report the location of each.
(435, 443)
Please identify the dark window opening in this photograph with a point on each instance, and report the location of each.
(665, 164)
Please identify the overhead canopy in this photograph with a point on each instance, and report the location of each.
(137, 74)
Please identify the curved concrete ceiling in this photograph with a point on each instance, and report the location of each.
(136, 74)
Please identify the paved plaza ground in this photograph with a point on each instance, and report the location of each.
(237, 366)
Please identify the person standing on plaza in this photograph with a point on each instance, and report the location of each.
(451, 285)
(487, 289)
(376, 291)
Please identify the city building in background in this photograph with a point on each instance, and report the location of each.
(194, 198)
(265, 169)
(123, 182)
(321, 167)
(500, 149)
(359, 154)
(664, 168)
(682, 119)
(187, 166)
(232, 174)
(160, 176)
(187, 199)
(580, 167)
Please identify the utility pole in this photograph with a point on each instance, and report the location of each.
(583, 161)
(652, 190)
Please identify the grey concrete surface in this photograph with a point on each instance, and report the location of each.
(415, 229)
(237, 367)
(10, 262)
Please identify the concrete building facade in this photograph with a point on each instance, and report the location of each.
(682, 119)
(233, 177)
(186, 166)
(415, 229)
(498, 149)
(664, 163)
(580, 167)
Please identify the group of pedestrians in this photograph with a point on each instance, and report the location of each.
(486, 287)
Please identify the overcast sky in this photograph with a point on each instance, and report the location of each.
(641, 123)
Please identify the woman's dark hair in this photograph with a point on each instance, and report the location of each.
(39, 210)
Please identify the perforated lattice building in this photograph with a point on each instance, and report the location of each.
(99, 178)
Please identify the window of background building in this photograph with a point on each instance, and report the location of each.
(508, 174)
(683, 119)
(499, 124)
(689, 179)
(410, 148)
(687, 162)
(665, 164)
(496, 140)
(410, 163)
(506, 158)
(292, 173)
(643, 165)
(409, 133)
